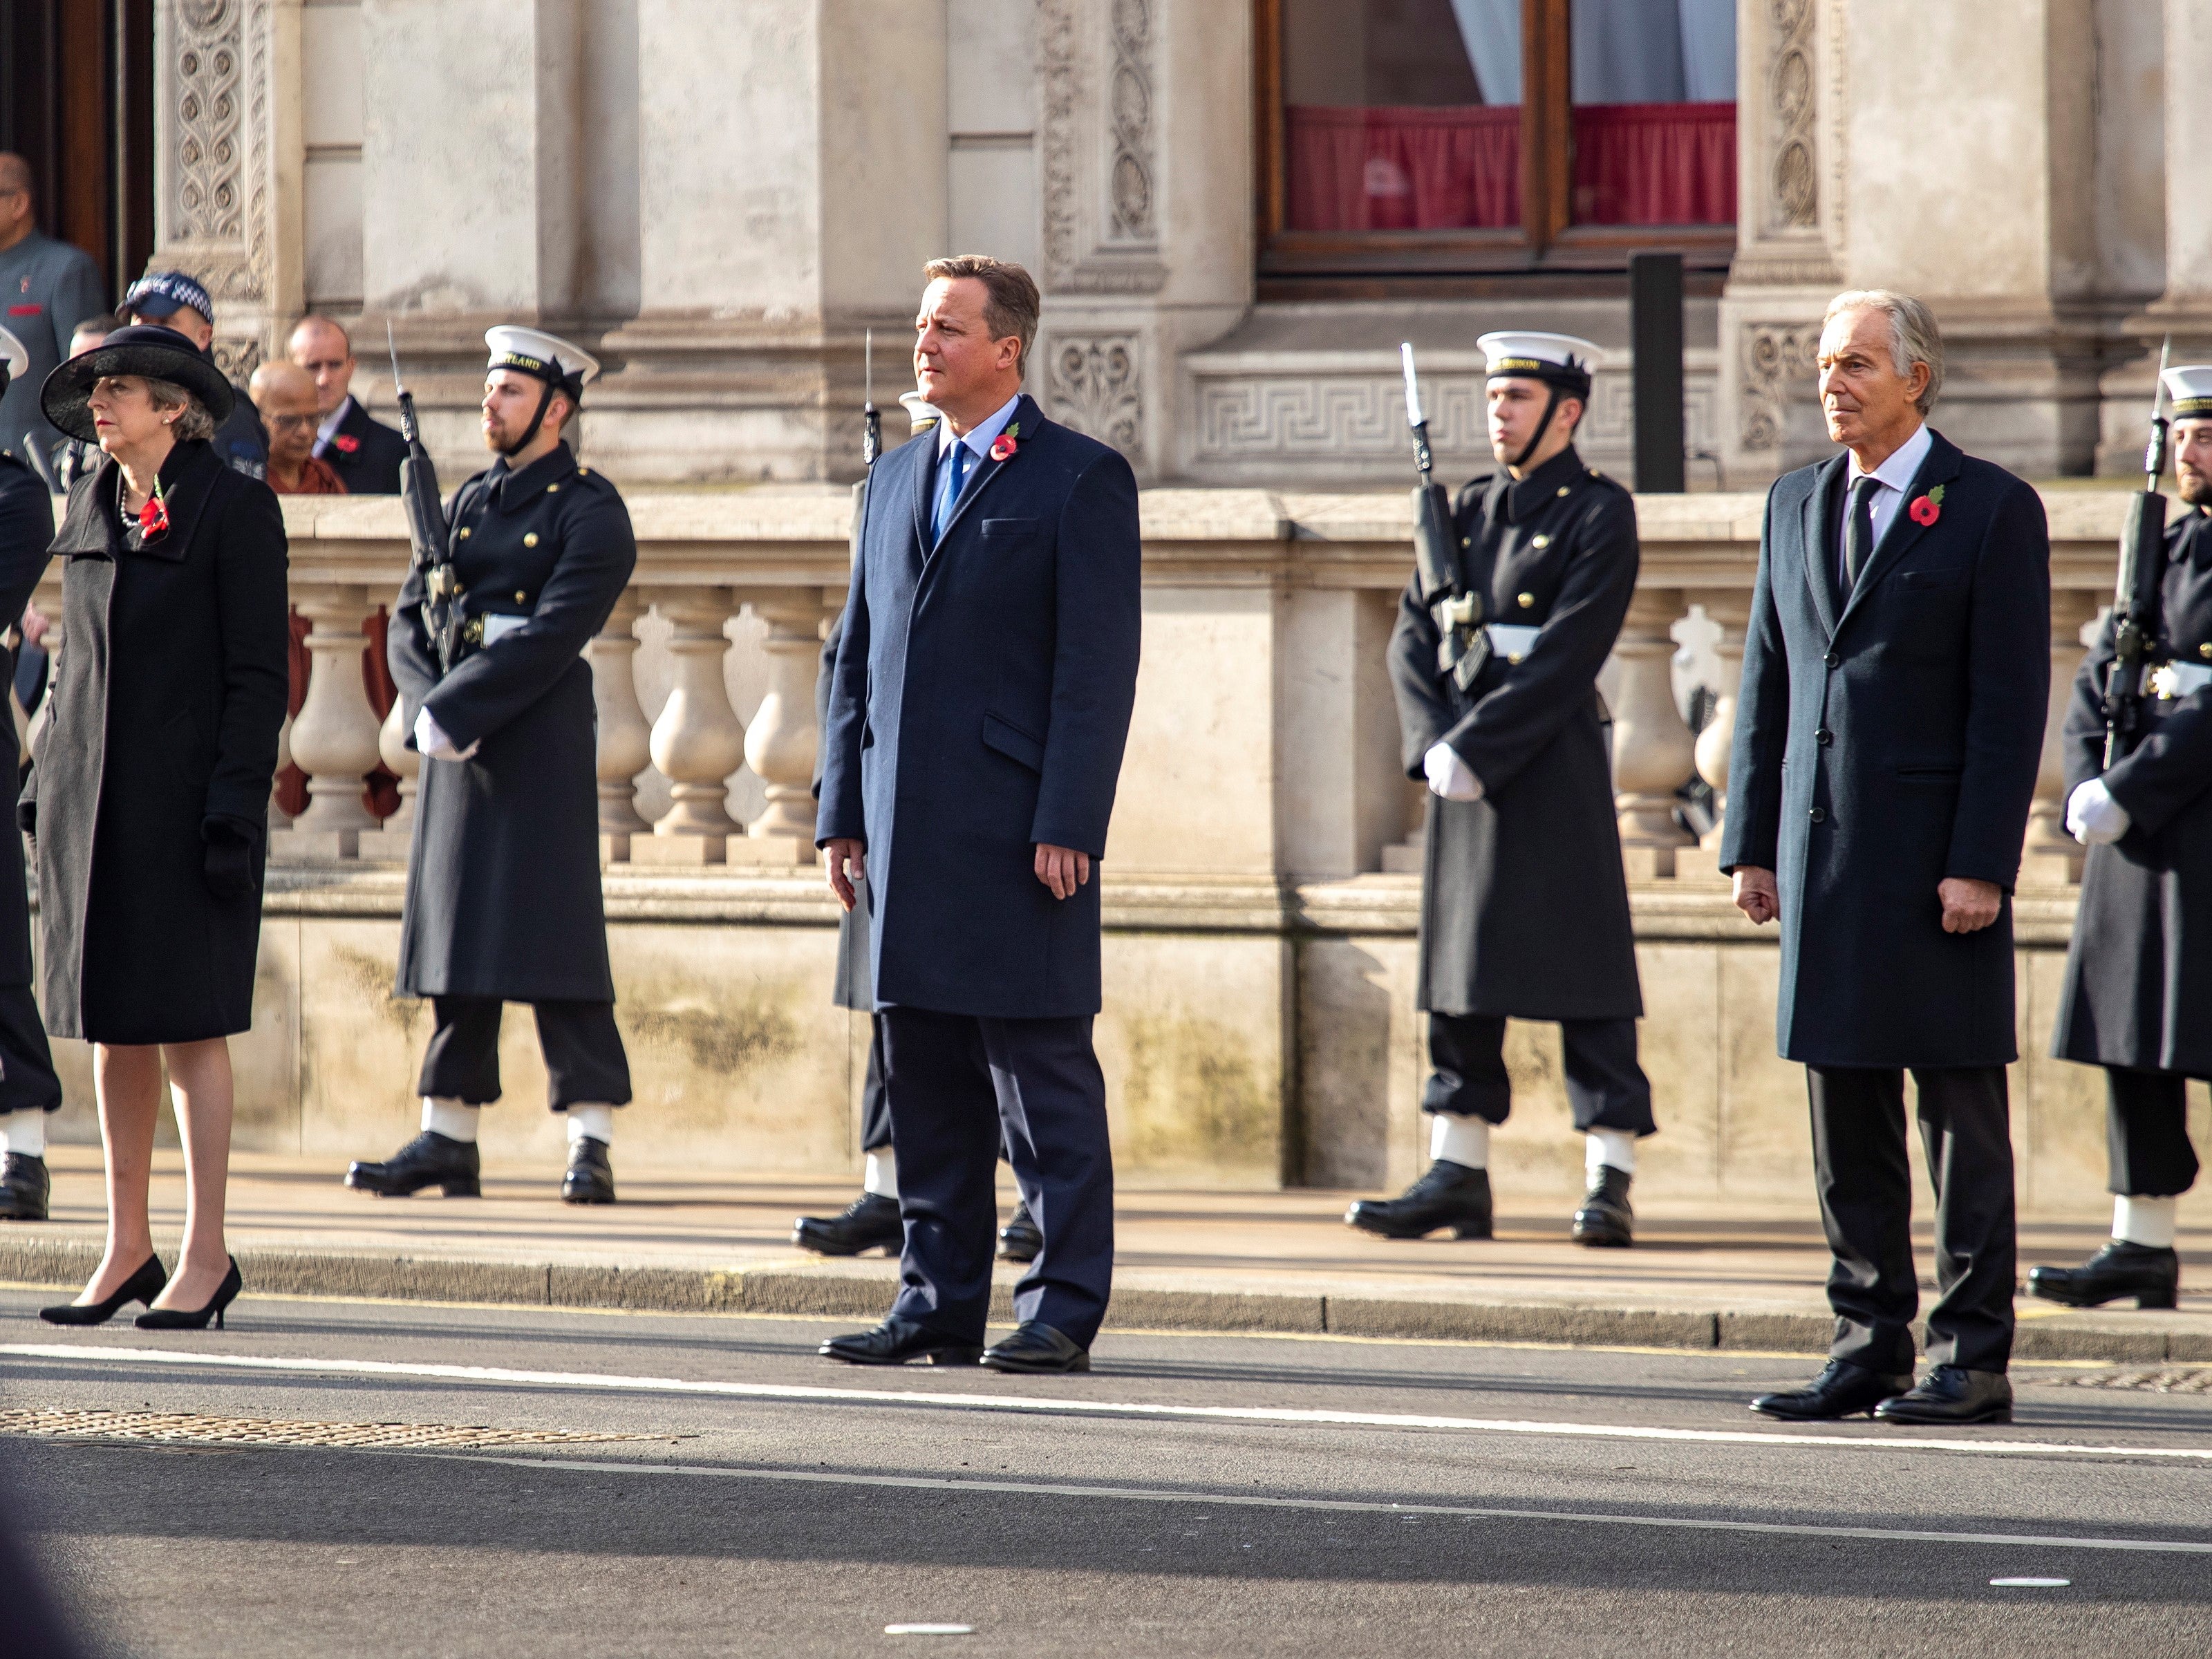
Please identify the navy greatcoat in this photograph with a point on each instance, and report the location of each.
(162, 729)
(1887, 743)
(1524, 902)
(503, 895)
(981, 703)
(2139, 972)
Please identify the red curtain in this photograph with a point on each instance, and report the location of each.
(381, 788)
(1655, 164)
(1404, 168)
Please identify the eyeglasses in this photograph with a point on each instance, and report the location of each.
(291, 423)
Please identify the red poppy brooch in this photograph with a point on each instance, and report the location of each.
(1926, 509)
(1003, 447)
(154, 517)
(345, 442)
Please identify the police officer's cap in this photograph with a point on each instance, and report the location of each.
(161, 293)
(15, 361)
(2191, 389)
(1557, 359)
(543, 356)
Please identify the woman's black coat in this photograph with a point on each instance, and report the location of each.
(161, 743)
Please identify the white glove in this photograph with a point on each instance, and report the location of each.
(430, 738)
(1449, 775)
(2093, 817)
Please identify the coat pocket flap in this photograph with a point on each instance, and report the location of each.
(995, 528)
(1950, 578)
(1013, 743)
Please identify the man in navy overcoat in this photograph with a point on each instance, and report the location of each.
(1895, 673)
(976, 724)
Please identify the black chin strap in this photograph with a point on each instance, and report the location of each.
(545, 402)
(1551, 408)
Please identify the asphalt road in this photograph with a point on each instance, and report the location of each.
(1193, 1495)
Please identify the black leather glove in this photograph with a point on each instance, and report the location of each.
(229, 861)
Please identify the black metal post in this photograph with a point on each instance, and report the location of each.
(1655, 324)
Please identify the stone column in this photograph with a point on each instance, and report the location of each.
(2051, 857)
(278, 817)
(698, 741)
(782, 743)
(1653, 753)
(396, 836)
(334, 736)
(625, 739)
(1729, 609)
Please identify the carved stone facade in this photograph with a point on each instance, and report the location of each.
(1096, 96)
(1096, 385)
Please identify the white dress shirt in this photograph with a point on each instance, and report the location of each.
(1892, 478)
(329, 428)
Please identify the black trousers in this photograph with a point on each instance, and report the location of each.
(27, 1083)
(1866, 1203)
(958, 1085)
(585, 1064)
(2147, 1133)
(1605, 1085)
(875, 1108)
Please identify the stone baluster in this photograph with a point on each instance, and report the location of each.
(2052, 858)
(782, 743)
(625, 739)
(396, 834)
(278, 817)
(1730, 611)
(1653, 752)
(698, 741)
(334, 737)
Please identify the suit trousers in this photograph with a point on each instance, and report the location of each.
(1606, 1087)
(27, 1083)
(957, 1085)
(585, 1064)
(1865, 1184)
(2147, 1133)
(875, 1109)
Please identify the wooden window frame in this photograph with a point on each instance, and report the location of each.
(1294, 263)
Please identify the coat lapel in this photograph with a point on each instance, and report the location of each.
(1939, 466)
(1026, 416)
(1820, 558)
(919, 493)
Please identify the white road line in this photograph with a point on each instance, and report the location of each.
(1337, 1506)
(1061, 1407)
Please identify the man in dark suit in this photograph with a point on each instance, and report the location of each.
(365, 453)
(1890, 728)
(980, 706)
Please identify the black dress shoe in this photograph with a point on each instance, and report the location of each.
(1952, 1394)
(1448, 1195)
(1021, 1238)
(590, 1178)
(1842, 1390)
(2150, 1275)
(1036, 1346)
(430, 1160)
(896, 1341)
(870, 1222)
(142, 1286)
(25, 1188)
(1605, 1221)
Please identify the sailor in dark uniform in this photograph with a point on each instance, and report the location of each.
(28, 1087)
(2138, 994)
(504, 901)
(1524, 902)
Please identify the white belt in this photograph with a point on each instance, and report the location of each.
(1513, 640)
(2176, 680)
(497, 626)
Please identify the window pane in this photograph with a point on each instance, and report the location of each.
(1655, 111)
(1401, 114)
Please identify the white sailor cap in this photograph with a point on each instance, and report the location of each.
(12, 354)
(544, 357)
(920, 413)
(2191, 389)
(1559, 360)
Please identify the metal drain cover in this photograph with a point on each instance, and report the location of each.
(2151, 1379)
(263, 1431)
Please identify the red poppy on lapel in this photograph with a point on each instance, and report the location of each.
(1926, 509)
(153, 517)
(345, 442)
(1003, 447)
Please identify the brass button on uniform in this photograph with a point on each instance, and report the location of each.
(464, 533)
(1528, 600)
(552, 489)
(2205, 649)
(521, 597)
(1540, 541)
(1563, 490)
(529, 540)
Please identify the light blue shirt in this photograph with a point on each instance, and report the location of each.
(980, 437)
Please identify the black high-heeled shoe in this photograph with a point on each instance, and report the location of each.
(196, 1319)
(142, 1286)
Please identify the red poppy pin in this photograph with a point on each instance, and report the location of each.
(1003, 447)
(345, 442)
(154, 517)
(1928, 508)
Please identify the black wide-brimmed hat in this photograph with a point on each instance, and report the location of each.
(147, 350)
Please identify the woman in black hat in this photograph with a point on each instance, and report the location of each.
(148, 797)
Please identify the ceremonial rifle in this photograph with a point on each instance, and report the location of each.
(1462, 641)
(428, 533)
(2143, 576)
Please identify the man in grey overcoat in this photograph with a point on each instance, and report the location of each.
(504, 901)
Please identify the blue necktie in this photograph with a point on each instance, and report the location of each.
(955, 480)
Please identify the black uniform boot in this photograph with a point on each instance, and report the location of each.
(2151, 1275)
(24, 1188)
(870, 1222)
(1605, 1221)
(430, 1160)
(1448, 1195)
(590, 1178)
(1021, 1238)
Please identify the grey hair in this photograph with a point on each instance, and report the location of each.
(194, 423)
(1913, 336)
